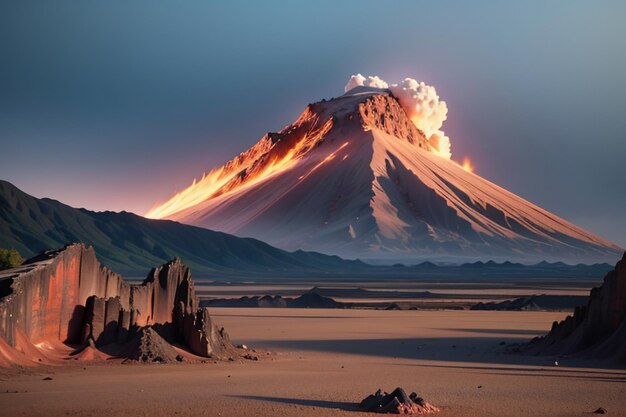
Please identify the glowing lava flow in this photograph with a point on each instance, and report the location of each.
(194, 194)
(248, 169)
(323, 161)
(213, 183)
(467, 165)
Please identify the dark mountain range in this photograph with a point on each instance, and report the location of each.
(131, 244)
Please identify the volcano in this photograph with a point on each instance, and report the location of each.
(353, 176)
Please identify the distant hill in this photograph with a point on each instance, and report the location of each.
(132, 244)
(541, 302)
(309, 299)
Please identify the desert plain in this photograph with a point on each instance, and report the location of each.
(322, 362)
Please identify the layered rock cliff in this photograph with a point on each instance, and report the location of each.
(67, 297)
(596, 330)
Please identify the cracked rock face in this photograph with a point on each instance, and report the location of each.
(397, 402)
(66, 296)
(596, 330)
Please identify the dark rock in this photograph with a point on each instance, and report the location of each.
(601, 410)
(312, 299)
(597, 330)
(205, 338)
(148, 346)
(397, 402)
(47, 378)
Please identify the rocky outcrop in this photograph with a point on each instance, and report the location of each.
(596, 330)
(312, 299)
(45, 298)
(397, 402)
(383, 112)
(66, 296)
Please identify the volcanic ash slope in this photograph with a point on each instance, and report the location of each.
(354, 176)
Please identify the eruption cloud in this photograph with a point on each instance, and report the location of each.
(421, 103)
(359, 81)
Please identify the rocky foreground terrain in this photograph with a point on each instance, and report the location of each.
(597, 330)
(322, 361)
(64, 303)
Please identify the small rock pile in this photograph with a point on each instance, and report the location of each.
(397, 402)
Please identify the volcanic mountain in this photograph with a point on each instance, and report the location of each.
(354, 176)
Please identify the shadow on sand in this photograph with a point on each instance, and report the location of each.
(520, 332)
(335, 405)
(486, 350)
(618, 376)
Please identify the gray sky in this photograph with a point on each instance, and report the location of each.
(117, 105)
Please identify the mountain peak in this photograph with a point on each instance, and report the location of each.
(372, 108)
(354, 176)
(359, 110)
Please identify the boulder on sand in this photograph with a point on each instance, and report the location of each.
(397, 402)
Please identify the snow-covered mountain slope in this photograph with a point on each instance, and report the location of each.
(353, 176)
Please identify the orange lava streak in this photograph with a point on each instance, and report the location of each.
(467, 164)
(323, 161)
(225, 179)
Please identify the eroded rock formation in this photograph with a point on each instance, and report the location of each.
(597, 330)
(67, 297)
(385, 113)
(397, 402)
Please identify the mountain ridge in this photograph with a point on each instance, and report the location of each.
(130, 243)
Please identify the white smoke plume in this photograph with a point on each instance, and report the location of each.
(421, 103)
(359, 80)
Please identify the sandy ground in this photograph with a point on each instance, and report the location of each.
(324, 361)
